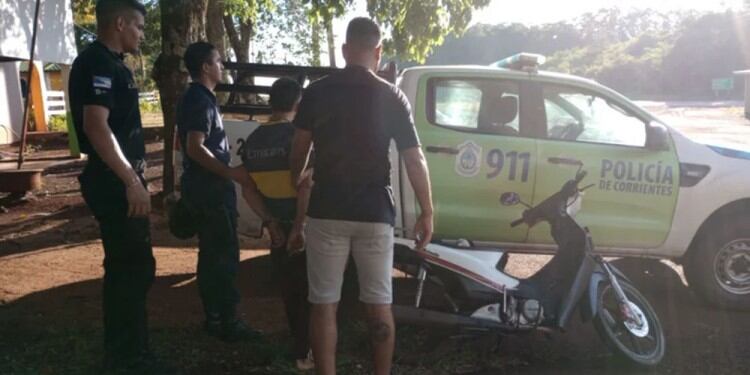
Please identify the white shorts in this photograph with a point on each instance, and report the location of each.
(328, 244)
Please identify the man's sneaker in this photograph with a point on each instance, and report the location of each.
(238, 330)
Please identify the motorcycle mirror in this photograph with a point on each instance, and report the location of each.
(510, 199)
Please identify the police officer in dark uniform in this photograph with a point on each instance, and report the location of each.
(208, 190)
(104, 101)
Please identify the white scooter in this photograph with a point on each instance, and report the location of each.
(475, 293)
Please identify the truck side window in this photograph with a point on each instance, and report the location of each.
(482, 106)
(457, 104)
(574, 115)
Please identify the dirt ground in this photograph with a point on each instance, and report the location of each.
(50, 316)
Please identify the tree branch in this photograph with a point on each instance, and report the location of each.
(234, 38)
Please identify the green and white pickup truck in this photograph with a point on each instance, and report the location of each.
(486, 130)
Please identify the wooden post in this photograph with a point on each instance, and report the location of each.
(75, 150)
(36, 95)
(24, 130)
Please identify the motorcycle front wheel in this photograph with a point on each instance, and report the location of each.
(639, 341)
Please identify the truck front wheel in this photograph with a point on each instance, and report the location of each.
(718, 266)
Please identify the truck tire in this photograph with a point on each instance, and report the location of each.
(718, 266)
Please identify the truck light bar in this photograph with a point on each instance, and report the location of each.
(529, 62)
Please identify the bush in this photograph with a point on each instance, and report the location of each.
(57, 123)
(152, 107)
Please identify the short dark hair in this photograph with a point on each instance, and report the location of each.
(363, 33)
(196, 55)
(108, 10)
(285, 92)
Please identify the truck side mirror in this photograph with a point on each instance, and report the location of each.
(657, 137)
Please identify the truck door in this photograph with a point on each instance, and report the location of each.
(472, 130)
(634, 192)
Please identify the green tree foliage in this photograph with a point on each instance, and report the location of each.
(413, 28)
(418, 26)
(283, 34)
(84, 18)
(484, 44)
(240, 20)
(640, 53)
(632, 67)
(712, 46)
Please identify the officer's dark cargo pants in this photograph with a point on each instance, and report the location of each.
(215, 204)
(129, 265)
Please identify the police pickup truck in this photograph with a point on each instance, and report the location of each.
(486, 130)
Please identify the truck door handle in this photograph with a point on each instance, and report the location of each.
(442, 150)
(564, 160)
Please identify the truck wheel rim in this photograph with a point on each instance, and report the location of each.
(732, 267)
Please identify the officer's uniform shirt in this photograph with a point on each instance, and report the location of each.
(100, 77)
(198, 111)
(265, 155)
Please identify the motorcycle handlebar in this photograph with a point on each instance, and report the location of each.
(580, 176)
(569, 189)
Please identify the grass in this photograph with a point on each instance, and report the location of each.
(77, 350)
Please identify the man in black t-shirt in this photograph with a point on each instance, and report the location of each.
(104, 104)
(208, 190)
(351, 117)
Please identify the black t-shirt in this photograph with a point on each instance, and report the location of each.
(198, 111)
(99, 77)
(353, 116)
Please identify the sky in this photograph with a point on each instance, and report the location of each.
(534, 12)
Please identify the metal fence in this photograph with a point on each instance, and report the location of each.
(149, 97)
(55, 103)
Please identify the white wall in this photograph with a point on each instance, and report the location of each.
(55, 44)
(11, 103)
(55, 36)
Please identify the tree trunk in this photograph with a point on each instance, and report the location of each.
(315, 44)
(215, 26)
(216, 35)
(143, 67)
(240, 41)
(330, 41)
(182, 23)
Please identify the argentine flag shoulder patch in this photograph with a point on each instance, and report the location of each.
(102, 82)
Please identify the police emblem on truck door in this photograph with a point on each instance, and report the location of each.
(468, 159)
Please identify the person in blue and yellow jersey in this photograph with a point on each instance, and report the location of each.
(273, 197)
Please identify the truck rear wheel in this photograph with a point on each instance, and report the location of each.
(718, 267)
